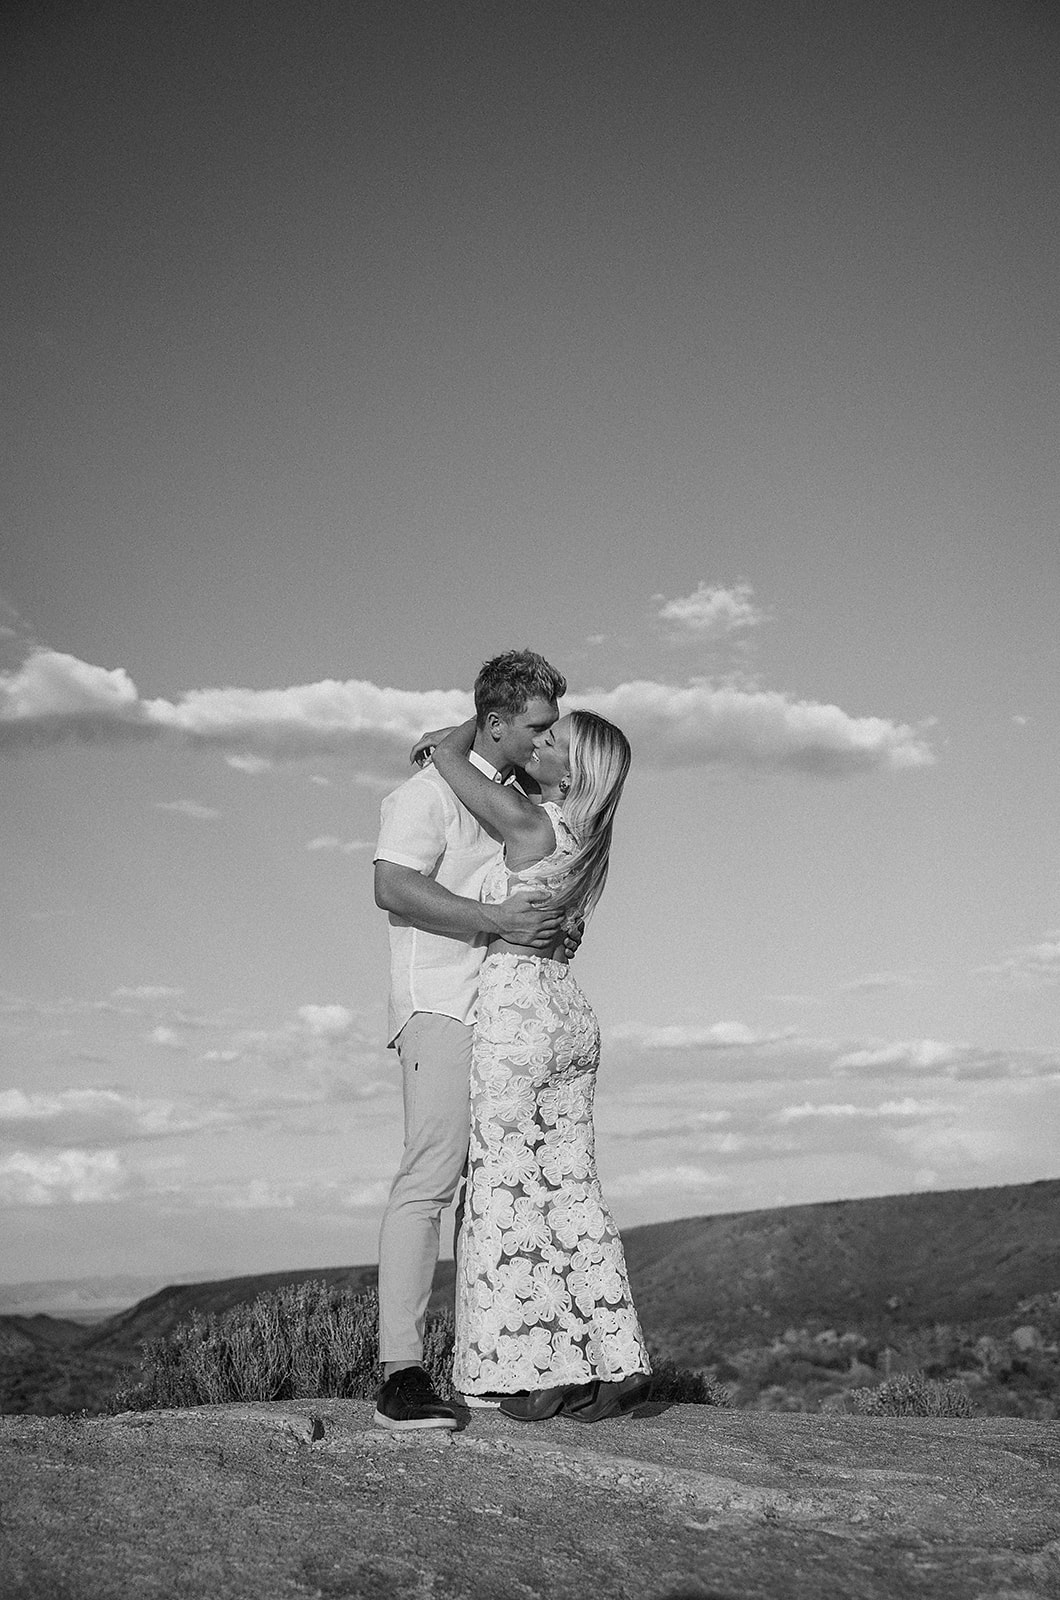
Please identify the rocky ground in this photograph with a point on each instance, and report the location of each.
(674, 1503)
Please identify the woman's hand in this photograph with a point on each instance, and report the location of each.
(423, 749)
(573, 933)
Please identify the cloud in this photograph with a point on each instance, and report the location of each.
(53, 697)
(914, 1055)
(326, 1022)
(147, 991)
(712, 611)
(166, 1038)
(695, 1036)
(107, 1116)
(328, 841)
(189, 808)
(680, 1179)
(887, 1109)
(878, 983)
(925, 1058)
(80, 1177)
(755, 730)
(250, 764)
(1030, 966)
(683, 1058)
(255, 1195)
(366, 1196)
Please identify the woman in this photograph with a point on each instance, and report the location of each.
(544, 1317)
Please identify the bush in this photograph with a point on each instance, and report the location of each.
(911, 1394)
(685, 1386)
(309, 1341)
(303, 1341)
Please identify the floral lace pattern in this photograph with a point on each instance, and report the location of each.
(542, 1292)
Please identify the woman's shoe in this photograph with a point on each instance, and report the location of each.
(536, 1406)
(599, 1400)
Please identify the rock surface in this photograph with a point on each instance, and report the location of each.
(674, 1503)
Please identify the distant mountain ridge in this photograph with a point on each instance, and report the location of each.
(703, 1285)
(56, 1296)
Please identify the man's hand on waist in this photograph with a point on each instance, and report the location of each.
(527, 918)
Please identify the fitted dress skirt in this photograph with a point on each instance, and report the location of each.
(542, 1294)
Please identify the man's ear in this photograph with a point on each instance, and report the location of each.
(494, 724)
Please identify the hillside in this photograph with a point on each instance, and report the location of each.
(966, 1256)
(154, 1317)
(718, 1291)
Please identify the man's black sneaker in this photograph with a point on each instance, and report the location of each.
(408, 1400)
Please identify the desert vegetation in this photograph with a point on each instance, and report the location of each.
(310, 1341)
(1012, 1371)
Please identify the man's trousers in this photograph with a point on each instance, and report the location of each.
(435, 1055)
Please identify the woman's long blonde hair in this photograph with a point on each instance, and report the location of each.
(599, 761)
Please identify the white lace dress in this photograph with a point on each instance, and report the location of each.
(542, 1295)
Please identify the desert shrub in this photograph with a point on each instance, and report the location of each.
(309, 1341)
(685, 1386)
(301, 1341)
(911, 1394)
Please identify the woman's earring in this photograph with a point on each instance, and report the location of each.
(564, 785)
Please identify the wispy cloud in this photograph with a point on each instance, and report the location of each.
(696, 1036)
(879, 983)
(189, 808)
(682, 1179)
(734, 1053)
(906, 1056)
(1030, 966)
(711, 612)
(147, 991)
(347, 847)
(93, 1117)
(249, 764)
(843, 1110)
(54, 697)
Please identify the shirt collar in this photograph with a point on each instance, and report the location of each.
(484, 766)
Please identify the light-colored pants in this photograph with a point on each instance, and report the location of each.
(435, 1054)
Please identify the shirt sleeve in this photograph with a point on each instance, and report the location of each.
(412, 827)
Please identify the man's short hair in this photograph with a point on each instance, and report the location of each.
(509, 682)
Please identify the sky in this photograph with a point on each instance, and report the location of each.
(710, 349)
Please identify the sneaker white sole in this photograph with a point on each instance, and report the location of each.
(413, 1422)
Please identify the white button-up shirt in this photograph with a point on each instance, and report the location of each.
(425, 826)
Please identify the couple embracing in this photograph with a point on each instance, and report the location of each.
(490, 858)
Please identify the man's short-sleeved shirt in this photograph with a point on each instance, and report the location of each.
(424, 826)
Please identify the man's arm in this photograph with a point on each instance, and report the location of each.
(522, 918)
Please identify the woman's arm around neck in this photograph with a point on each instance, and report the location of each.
(524, 828)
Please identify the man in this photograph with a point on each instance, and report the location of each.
(430, 862)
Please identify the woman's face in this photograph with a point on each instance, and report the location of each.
(550, 762)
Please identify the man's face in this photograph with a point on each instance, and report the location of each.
(518, 737)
